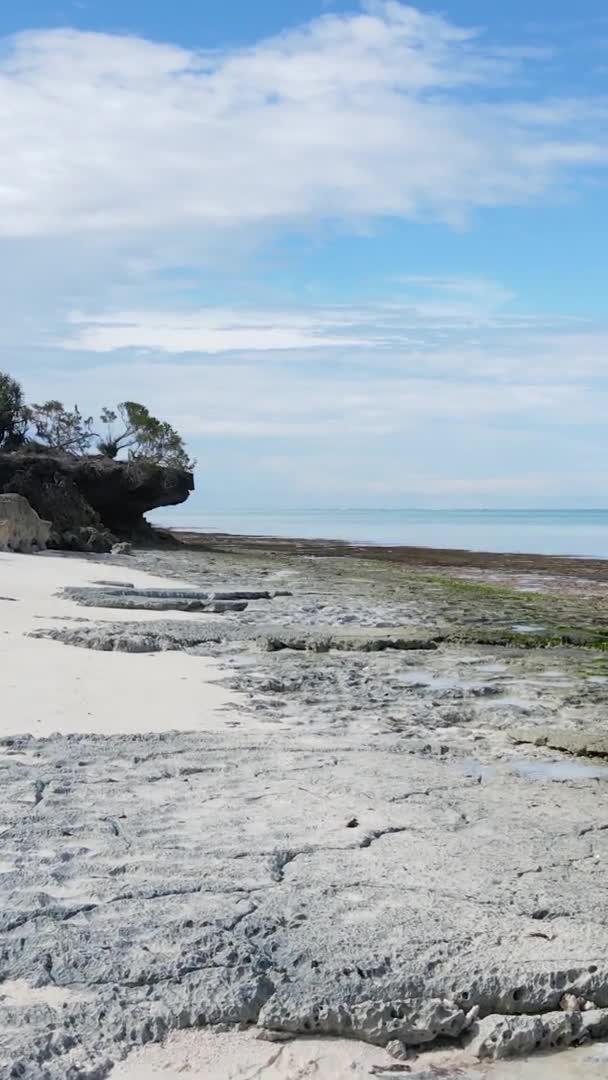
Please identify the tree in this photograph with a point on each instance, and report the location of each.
(14, 414)
(61, 429)
(143, 436)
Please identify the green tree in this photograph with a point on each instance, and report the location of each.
(14, 414)
(143, 436)
(61, 428)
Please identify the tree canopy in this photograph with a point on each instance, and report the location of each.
(61, 428)
(142, 435)
(129, 428)
(14, 415)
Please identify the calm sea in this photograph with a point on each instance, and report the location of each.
(548, 532)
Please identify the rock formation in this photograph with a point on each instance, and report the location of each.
(21, 529)
(91, 500)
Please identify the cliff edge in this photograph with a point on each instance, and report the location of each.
(91, 500)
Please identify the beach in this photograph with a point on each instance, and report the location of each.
(48, 689)
(284, 809)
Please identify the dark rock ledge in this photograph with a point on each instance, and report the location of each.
(92, 501)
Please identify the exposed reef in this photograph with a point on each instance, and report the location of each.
(360, 850)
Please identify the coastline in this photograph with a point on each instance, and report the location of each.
(387, 825)
(407, 555)
(553, 532)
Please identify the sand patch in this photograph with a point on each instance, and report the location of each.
(47, 687)
(206, 1055)
(203, 1055)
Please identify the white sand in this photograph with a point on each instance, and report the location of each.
(48, 687)
(205, 1055)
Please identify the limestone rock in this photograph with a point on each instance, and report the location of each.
(98, 541)
(409, 1022)
(21, 529)
(371, 639)
(594, 1023)
(91, 492)
(579, 741)
(122, 549)
(516, 1036)
(571, 1003)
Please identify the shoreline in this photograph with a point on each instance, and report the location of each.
(332, 857)
(406, 555)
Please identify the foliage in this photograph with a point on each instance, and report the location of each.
(143, 435)
(61, 429)
(14, 414)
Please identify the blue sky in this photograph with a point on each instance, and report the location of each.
(354, 251)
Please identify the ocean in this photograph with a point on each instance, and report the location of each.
(546, 532)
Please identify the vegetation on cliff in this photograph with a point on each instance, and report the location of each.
(13, 413)
(93, 488)
(139, 434)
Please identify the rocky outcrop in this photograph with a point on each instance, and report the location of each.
(581, 741)
(21, 529)
(91, 501)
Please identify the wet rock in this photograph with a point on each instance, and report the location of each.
(134, 602)
(356, 641)
(126, 597)
(136, 637)
(115, 584)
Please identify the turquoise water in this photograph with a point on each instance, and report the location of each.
(547, 532)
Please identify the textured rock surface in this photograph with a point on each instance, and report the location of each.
(166, 599)
(123, 548)
(168, 881)
(357, 853)
(587, 742)
(516, 1036)
(88, 499)
(21, 529)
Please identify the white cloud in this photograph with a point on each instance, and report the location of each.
(452, 328)
(209, 330)
(460, 407)
(387, 111)
(241, 398)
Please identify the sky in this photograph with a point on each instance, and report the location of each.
(355, 252)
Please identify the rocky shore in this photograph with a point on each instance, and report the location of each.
(352, 796)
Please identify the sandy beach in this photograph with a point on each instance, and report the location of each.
(335, 816)
(48, 689)
(240, 1056)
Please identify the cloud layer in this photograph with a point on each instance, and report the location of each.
(134, 171)
(443, 352)
(383, 112)
(445, 392)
